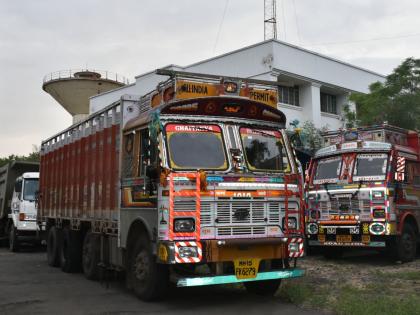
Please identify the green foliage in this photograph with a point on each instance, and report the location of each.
(32, 157)
(396, 101)
(349, 117)
(307, 137)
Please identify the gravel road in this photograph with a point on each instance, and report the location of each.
(29, 286)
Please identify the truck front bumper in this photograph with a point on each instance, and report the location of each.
(270, 275)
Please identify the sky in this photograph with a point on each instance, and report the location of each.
(131, 37)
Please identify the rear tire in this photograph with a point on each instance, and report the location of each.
(13, 240)
(264, 288)
(148, 279)
(91, 256)
(71, 251)
(54, 238)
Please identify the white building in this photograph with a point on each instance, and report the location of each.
(313, 87)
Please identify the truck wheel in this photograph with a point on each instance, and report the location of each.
(265, 288)
(71, 251)
(53, 246)
(407, 244)
(13, 240)
(148, 279)
(90, 256)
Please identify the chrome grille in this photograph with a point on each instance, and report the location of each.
(241, 230)
(355, 206)
(226, 212)
(220, 213)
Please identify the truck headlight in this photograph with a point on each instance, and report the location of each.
(188, 251)
(377, 228)
(184, 225)
(312, 228)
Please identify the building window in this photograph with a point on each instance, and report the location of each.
(328, 103)
(289, 95)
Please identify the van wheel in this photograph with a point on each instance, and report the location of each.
(71, 251)
(148, 279)
(90, 256)
(13, 240)
(54, 238)
(264, 288)
(407, 244)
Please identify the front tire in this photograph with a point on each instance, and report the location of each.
(148, 279)
(13, 240)
(407, 244)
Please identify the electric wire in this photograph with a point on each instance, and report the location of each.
(220, 26)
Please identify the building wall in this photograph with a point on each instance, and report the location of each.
(274, 61)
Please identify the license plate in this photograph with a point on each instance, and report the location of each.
(343, 238)
(246, 268)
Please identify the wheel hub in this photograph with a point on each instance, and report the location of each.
(141, 266)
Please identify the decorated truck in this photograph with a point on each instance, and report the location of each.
(18, 192)
(193, 183)
(364, 191)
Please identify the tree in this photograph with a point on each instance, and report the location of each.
(33, 157)
(395, 101)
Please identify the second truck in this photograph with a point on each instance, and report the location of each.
(194, 183)
(364, 191)
(18, 201)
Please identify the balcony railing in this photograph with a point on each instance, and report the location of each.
(100, 74)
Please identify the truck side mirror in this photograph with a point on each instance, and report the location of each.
(151, 171)
(18, 186)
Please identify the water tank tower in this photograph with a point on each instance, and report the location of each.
(73, 88)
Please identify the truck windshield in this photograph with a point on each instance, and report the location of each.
(192, 146)
(264, 150)
(327, 170)
(30, 187)
(370, 167)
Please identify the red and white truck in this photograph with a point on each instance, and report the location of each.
(194, 183)
(364, 191)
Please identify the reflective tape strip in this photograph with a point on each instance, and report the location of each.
(180, 259)
(301, 249)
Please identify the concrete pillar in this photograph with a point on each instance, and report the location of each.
(310, 100)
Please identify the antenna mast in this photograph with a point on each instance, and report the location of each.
(270, 20)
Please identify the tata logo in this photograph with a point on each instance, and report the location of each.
(241, 194)
(241, 214)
